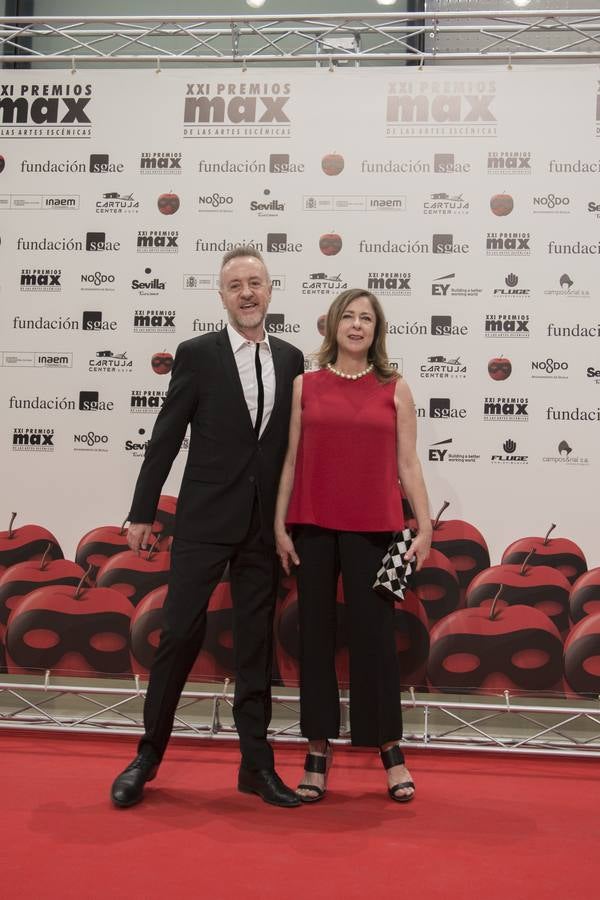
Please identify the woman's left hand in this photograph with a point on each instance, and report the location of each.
(419, 550)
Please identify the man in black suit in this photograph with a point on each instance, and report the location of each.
(233, 388)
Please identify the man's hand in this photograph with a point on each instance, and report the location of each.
(138, 536)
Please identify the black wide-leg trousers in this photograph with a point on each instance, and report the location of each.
(375, 711)
(196, 569)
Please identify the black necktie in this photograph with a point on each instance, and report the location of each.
(261, 392)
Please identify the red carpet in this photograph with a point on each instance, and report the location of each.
(480, 827)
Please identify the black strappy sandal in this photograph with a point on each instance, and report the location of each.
(391, 757)
(319, 765)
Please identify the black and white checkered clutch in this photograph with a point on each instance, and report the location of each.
(392, 577)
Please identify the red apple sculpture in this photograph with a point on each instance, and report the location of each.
(71, 631)
(22, 578)
(513, 648)
(560, 553)
(412, 641)
(100, 544)
(215, 660)
(463, 545)
(25, 543)
(135, 574)
(582, 657)
(585, 595)
(164, 521)
(542, 587)
(436, 586)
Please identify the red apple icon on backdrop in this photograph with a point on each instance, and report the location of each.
(332, 163)
(499, 368)
(582, 657)
(135, 574)
(542, 587)
(162, 362)
(70, 631)
(22, 578)
(100, 544)
(501, 204)
(436, 586)
(560, 553)
(330, 244)
(514, 648)
(168, 204)
(25, 543)
(215, 660)
(463, 545)
(585, 595)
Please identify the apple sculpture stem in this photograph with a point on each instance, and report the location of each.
(548, 533)
(152, 547)
(445, 506)
(10, 534)
(43, 561)
(80, 586)
(493, 606)
(529, 555)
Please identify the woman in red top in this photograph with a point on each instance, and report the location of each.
(352, 444)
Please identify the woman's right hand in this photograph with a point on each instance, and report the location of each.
(286, 551)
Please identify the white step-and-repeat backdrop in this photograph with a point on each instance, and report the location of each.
(467, 200)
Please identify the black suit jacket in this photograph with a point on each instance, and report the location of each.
(227, 464)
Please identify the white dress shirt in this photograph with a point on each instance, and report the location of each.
(244, 351)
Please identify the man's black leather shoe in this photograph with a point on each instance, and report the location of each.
(128, 787)
(268, 785)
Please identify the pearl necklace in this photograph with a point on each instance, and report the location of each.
(351, 377)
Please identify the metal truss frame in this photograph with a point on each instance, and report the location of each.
(499, 725)
(333, 38)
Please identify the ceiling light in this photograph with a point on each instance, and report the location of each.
(256, 3)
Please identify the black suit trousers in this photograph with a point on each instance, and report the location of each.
(375, 710)
(196, 569)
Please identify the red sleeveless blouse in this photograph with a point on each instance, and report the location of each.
(346, 475)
